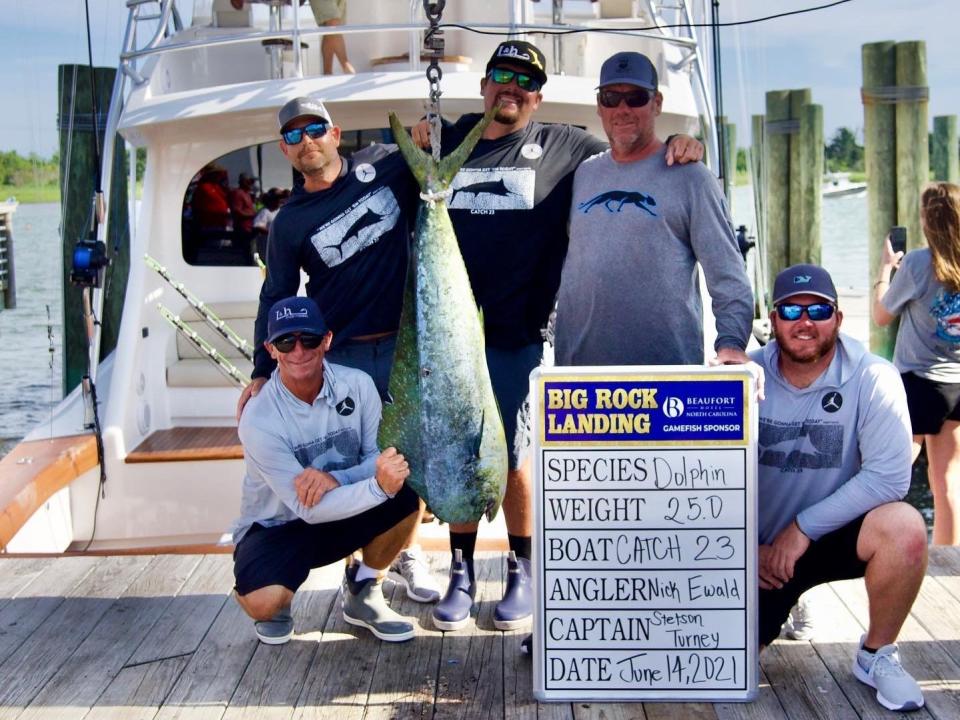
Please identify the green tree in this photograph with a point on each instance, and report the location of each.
(843, 152)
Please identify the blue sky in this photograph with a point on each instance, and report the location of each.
(818, 50)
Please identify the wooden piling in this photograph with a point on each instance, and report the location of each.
(945, 159)
(777, 161)
(913, 154)
(78, 172)
(758, 179)
(8, 282)
(879, 136)
(807, 200)
(798, 222)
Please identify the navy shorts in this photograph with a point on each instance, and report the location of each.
(832, 557)
(285, 554)
(930, 403)
(374, 357)
(510, 376)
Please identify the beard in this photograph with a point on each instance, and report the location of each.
(807, 352)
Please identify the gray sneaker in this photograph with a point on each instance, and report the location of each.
(409, 570)
(896, 688)
(277, 630)
(800, 624)
(364, 606)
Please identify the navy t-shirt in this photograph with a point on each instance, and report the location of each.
(509, 208)
(352, 239)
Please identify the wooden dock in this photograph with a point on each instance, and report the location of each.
(160, 637)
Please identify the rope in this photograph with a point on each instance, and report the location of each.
(432, 197)
(782, 127)
(895, 94)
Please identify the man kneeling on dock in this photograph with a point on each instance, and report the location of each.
(834, 463)
(316, 489)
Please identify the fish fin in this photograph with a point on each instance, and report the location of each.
(476, 447)
(419, 162)
(450, 165)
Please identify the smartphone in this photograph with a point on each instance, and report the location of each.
(898, 238)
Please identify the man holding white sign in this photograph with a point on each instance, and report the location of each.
(834, 463)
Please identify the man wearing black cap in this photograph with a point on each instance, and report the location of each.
(314, 424)
(834, 464)
(509, 210)
(348, 227)
(630, 292)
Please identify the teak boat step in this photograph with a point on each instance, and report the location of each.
(36, 469)
(181, 444)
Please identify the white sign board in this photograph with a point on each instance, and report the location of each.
(645, 540)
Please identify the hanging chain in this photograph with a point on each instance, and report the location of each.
(433, 44)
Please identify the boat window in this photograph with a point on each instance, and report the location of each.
(231, 201)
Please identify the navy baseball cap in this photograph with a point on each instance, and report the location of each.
(521, 53)
(630, 68)
(804, 280)
(302, 107)
(295, 314)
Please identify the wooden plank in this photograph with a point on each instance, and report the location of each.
(608, 711)
(766, 707)
(98, 659)
(33, 471)
(339, 677)
(210, 679)
(17, 573)
(137, 692)
(804, 686)
(274, 679)
(183, 444)
(679, 711)
(922, 656)
(39, 659)
(470, 682)
(22, 615)
(405, 679)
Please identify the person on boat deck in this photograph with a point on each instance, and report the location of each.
(925, 293)
(629, 291)
(509, 210)
(210, 202)
(242, 206)
(348, 226)
(834, 464)
(317, 421)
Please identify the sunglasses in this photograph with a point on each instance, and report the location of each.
(815, 311)
(634, 98)
(286, 343)
(524, 81)
(314, 130)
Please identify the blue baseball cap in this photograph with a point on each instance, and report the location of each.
(295, 314)
(630, 68)
(804, 280)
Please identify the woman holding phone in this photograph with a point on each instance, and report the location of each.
(925, 294)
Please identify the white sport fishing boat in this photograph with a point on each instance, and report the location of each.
(202, 97)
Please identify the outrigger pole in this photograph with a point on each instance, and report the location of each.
(209, 351)
(211, 318)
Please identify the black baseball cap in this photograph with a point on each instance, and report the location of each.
(302, 107)
(521, 53)
(629, 68)
(804, 279)
(295, 314)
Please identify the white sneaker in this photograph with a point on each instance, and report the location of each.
(410, 570)
(896, 688)
(800, 624)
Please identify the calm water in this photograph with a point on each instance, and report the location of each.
(31, 371)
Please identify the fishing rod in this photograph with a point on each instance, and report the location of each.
(212, 319)
(209, 351)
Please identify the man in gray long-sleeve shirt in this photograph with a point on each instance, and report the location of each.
(834, 463)
(316, 488)
(629, 291)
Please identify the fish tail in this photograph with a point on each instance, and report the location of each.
(420, 163)
(451, 164)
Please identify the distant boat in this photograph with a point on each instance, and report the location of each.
(838, 184)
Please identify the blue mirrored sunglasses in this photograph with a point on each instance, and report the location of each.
(815, 311)
(524, 81)
(314, 130)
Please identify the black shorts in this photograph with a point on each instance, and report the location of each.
(510, 376)
(285, 554)
(930, 403)
(832, 557)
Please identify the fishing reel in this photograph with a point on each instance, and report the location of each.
(90, 261)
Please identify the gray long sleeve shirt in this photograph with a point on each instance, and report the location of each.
(281, 435)
(629, 290)
(834, 450)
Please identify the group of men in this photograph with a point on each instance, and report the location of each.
(573, 212)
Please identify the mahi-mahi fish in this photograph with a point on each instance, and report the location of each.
(443, 415)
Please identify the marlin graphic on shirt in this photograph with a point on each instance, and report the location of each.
(487, 190)
(493, 187)
(366, 220)
(800, 446)
(620, 198)
(357, 228)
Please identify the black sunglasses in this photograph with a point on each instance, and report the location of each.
(286, 343)
(314, 130)
(635, 98)
(815, 311)
(524, 81)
